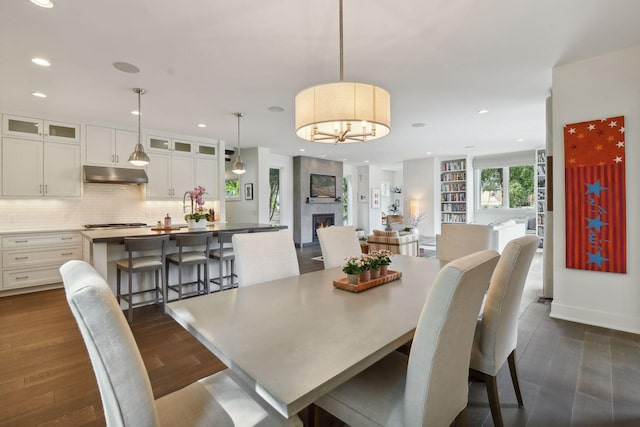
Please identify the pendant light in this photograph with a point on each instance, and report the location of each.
(343, 112)
(139, 157)
(238, 165)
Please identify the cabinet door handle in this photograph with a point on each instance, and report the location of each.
(66, 238)
(67, 253)
(117, 158)
(21, 277)
(40, 188)
(20, 241)
(20, 257)
(113, 158)
(46, 189)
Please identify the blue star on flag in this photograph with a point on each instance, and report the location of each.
(596, 258)
(594, 188)
(595, 223)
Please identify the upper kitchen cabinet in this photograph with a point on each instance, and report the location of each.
(109, 147)
(32, 168)
(207, 169)
(40, 129)
(170, 176)
(163, 144)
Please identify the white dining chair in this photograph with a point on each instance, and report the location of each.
(496, 333)
(430, 386)
(337, 243)
(458, 240)
(261, 257)
(125, 389)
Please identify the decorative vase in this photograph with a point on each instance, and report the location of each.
(415, 231)
(365, 276)
(353, 278)
(374, 273)
(383, 270)
(197, 225)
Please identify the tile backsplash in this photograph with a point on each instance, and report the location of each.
(100, 203)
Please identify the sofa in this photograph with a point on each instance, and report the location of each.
(462, 239)
(406, 244)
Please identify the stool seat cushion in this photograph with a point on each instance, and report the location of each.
(188, 257)
(226, 253)
(140, 262)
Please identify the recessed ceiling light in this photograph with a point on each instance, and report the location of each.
(429, 153)
(135, 112)
(418, 125)
(125, 67)
(41, 61)
(302, 149)
(366, 161)
(43, 3)
(520, 140)
(483, 111)
(202, 125)
(38, 94)
(275, 109)
(323, 155)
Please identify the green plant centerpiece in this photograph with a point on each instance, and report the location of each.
(354, 265)
(382, 259)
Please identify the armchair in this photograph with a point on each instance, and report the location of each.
(394, 242)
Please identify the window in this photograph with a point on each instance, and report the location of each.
(506, 187)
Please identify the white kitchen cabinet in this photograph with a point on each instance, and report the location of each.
(47, 130)
(164, 144)
(109, 147)
(170, 176)
(207, 170)
(33, 168)
(32, 260)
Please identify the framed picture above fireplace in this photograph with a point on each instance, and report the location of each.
(322, 186)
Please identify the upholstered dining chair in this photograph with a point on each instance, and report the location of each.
(337, 243)
(458, 240)
(127, 398)
(261, 257)
(430, 386)
(496, 333)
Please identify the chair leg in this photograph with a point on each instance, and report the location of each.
(514, 377)
(494, 400)
(462, 420)
(118, 291)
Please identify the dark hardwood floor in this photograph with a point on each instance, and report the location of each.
(570, 374)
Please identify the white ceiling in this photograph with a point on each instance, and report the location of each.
(203, 60)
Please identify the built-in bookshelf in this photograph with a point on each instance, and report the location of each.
(453, 191)
(541, 192)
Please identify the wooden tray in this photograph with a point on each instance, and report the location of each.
(173, 227)
(343, 283)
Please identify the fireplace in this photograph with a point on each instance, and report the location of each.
(321, 221)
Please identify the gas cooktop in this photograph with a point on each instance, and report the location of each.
(115, 225)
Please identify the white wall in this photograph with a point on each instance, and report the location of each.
(242, 210)
(350, 172)
(600, 87)
(421, 181)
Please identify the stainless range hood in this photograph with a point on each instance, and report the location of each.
(111, 175)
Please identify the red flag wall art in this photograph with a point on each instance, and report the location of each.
(594, 169)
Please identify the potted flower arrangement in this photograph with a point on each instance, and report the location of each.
(415, 220)
(198, 218)
(353, 266)
(383, 259)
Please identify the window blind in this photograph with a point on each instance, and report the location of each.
(519, 158)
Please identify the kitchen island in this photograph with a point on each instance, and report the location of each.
(103, 248)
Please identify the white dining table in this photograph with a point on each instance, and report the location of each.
(295, 339)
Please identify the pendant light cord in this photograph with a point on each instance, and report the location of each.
(139, 117)
(341, 47)
(239, 115)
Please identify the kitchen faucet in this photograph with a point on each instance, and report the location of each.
(184, 201)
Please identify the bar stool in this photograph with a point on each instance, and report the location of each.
(226, 259)
(198, 258)
(141, 264)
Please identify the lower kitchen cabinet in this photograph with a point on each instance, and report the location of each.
(30, 261)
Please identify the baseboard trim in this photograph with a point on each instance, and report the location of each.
(598, 318)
